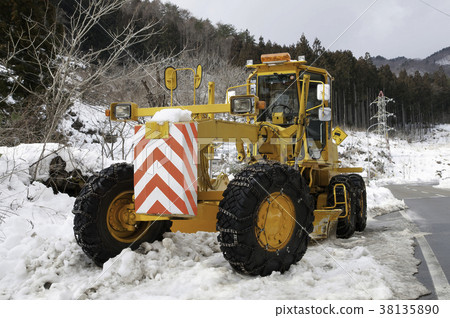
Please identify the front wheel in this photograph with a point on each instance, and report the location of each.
(265, 219)
(103, 223)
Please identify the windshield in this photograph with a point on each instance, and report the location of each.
(279, 91)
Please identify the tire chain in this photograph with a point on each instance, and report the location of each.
(350, 187)
(87, 192)
(235, 185)
(360, 187)
(238, 185)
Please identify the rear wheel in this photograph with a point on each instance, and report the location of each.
(265, 219)
(345, 196)
(103, 223)
(361, 201)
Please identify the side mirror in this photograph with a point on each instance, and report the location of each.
(323, 92)
(170, 78)
(198, 76)
(325, 114)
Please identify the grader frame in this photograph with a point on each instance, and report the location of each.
(293, 169)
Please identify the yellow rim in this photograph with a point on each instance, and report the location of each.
(275, 221)
(120, 219)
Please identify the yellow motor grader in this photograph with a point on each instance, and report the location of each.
(290, 189)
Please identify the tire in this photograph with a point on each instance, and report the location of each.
(361, 201)
(346, 225)
(97, 228)
(265, 219)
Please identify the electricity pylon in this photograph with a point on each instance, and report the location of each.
(382, 115)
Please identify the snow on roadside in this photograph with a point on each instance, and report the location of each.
(381, 201)
(35, 239)
(402, 162)
(191, 266)
(39, 259)
(443, 184)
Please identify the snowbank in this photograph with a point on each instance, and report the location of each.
(23, 160)
(401, 161)
(39, 258)
(444, 184)
(381, 201)
(191, 266)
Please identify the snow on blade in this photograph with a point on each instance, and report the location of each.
(172, 115)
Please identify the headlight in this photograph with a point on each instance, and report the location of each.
(242, 104)
(123, 111)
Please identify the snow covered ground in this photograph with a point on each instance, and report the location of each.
(39, 258)
(401, 161)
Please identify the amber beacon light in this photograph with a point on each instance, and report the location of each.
(276, 58)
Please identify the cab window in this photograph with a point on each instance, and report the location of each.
(279, 91)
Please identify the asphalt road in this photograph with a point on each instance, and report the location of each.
(429, 209)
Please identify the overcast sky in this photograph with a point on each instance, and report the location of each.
(391, 28)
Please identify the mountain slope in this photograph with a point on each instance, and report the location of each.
(430, 64)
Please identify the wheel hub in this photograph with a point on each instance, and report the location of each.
(275, 221)
(121, 219)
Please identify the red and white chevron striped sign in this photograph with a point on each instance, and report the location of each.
(165, 171)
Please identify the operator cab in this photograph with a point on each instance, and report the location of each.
(279, 82)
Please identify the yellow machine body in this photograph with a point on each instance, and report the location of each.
(298, 137)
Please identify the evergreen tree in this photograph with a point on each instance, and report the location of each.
(18, 34)
(24, 44)
(303, 48)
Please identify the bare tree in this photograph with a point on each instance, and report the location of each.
(215, 69)
(71, 71)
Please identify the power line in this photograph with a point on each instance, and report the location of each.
(434, 8)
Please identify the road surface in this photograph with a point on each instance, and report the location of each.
(429, 209)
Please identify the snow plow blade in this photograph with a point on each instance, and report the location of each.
(325, 223)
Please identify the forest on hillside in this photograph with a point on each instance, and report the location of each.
(55, 51)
